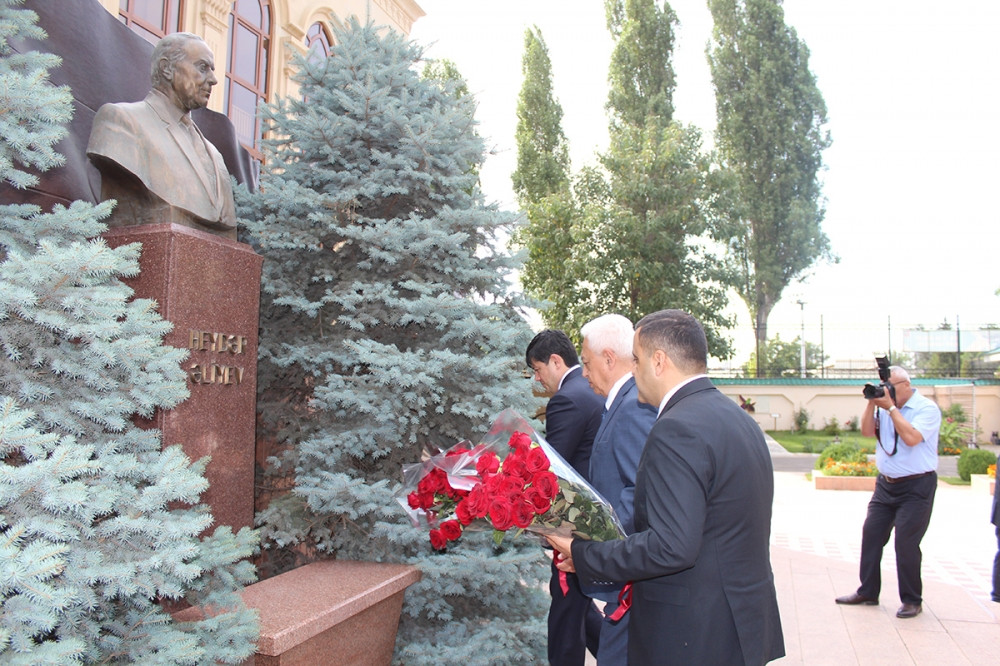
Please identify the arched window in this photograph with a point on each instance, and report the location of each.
(153, 19)
(246, 68)
(318, 42)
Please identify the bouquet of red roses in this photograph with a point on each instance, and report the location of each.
(512, 480)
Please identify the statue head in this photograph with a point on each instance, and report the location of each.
(183, 69)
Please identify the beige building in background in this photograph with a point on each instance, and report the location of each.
(254, 41)
(777, 400)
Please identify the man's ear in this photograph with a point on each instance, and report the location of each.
(661, 362)
(609, 357)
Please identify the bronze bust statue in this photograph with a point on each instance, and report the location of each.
(153, 159)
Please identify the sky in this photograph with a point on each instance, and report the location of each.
(911, 175)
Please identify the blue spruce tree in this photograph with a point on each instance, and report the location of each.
(90, 533)
(388, 328)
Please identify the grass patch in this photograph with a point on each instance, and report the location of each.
(955, 481)
(814, 441)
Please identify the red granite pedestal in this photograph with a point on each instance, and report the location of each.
(208, 287)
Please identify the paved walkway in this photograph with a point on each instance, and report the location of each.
(815, 548)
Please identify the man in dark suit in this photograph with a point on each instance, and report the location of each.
(572, 418)
(606, 355)
(703, 591)
(153, 159)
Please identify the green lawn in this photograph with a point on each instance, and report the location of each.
(814, 441)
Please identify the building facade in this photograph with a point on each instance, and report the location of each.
(255, 41)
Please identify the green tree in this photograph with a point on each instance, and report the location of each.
(770, 138)
(638, 250)
(387, 330)
(784, 359)
(542, 149)
(641, 77)
(98, 521)
(542, 185)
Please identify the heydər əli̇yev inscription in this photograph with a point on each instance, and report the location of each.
(215, 373)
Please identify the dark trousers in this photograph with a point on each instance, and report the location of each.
(574, 623)
(996, 563)
(905, 506)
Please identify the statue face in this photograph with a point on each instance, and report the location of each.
(193, 76)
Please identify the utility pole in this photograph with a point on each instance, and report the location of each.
(802, 337)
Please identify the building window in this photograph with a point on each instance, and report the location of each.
(246, 69)
(152, 19)
(318, 43)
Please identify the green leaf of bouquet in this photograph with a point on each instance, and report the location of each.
(498, 536)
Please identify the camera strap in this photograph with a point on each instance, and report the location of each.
(878, 436)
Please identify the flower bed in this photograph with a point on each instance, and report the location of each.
(823, 482)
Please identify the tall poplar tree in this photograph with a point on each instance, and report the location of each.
(387, 329)
(643, 226)
(542, 185)
(770, 139)
(98, 522)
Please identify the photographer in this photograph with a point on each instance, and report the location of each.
(906, 426)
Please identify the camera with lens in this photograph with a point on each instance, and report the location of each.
(871, 391)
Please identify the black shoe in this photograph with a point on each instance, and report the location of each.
(856, 600)
(909, 610)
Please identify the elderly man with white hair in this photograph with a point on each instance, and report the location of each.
(607, 361)
(905, 425)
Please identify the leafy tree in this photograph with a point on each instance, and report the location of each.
(542, 149)
(387, 329)
(98, 521)
(784, 359)
(639, 249)
(542, 184)
(641, 76)
(770, 138)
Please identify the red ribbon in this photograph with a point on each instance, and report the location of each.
(624, 602)
(563, 582)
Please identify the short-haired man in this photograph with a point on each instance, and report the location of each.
(606, 355)
(153, 159)
(703, 591)
(572, 417)
(906, 427)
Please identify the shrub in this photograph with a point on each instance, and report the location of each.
(955, 412)
(842, 452)
(953, 435)
(975, 461)
(852, 424)
(801, 420)
(832, 427)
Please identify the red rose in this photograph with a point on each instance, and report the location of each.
(547, 484)
(501, 514)
(488, 463)
(538, 501)
(536, 460)
(464, 513)
(434, 481)
(457, 451)
(438, 542)
(510, 487)
(524, 513)
(478, 501)
(413, 499)
(451, 530)
(520, 442)
(515, 467)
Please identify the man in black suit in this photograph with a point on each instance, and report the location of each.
(703, 591)
(572, 418)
